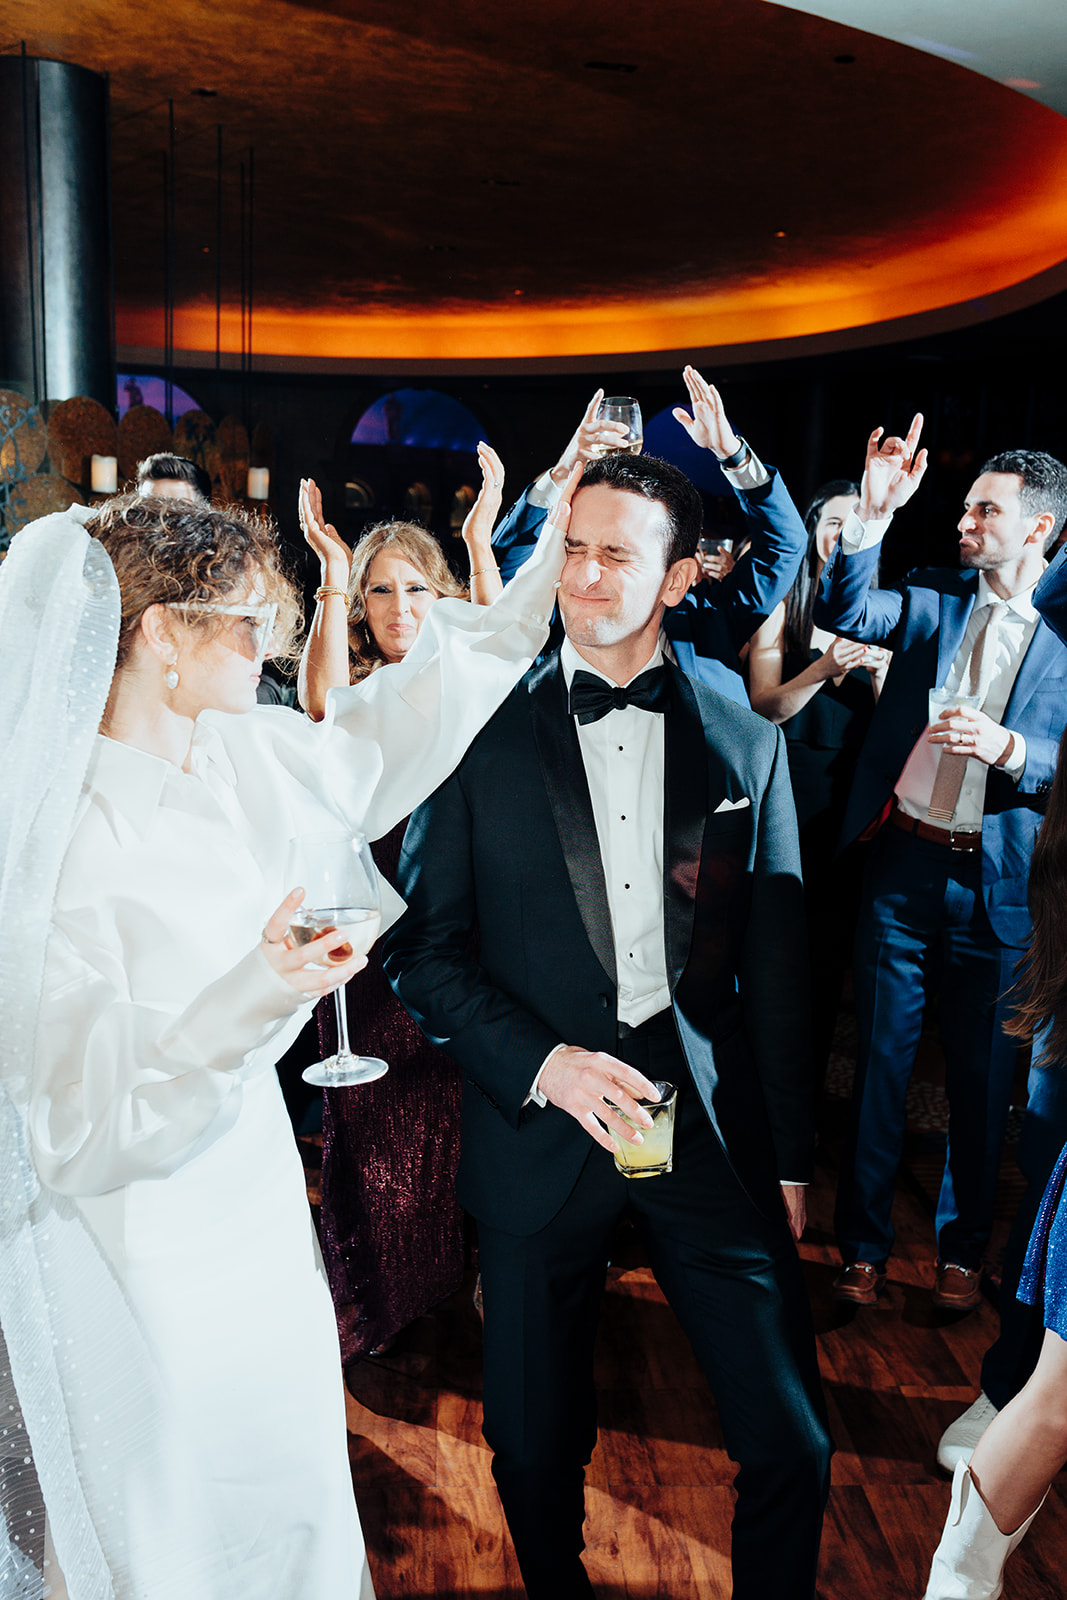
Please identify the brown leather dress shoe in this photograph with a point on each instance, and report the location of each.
(957, 1288)
(858, 1284)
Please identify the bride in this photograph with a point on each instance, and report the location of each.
(170, 1388)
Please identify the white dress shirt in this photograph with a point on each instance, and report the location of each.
(1014, 632)
(623, 758)
(1016, 628)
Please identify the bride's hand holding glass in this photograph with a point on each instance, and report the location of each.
(316, 968)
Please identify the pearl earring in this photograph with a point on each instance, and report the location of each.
(170, 677)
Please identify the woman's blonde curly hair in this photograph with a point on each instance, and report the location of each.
(174, 552)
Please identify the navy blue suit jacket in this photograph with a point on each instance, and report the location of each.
(508, 846)
(923, 621)
(1050, 596)
(715, 620)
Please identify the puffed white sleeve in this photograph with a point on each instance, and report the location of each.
(125, 1089)
(423, 712)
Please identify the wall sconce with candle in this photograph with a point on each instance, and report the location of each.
(104, 477)
(259, 483)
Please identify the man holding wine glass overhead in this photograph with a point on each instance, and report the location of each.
(708, 630)
(622, 842)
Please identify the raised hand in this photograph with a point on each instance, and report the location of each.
(477, 530)
(592, 437)
(708, 426)
(308, 968)
(892, 472)
(716, 564)
(478, 527)
(561, 515)
(335, 557)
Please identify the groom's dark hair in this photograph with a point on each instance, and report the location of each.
(657, 480)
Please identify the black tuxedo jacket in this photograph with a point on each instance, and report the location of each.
(506, 948)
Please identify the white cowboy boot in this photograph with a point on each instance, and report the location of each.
(969, 1562)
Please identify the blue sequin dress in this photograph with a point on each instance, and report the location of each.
(1044, 1274)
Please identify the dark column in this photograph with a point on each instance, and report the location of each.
(56, 322)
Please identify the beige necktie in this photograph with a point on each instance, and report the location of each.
(948, 780)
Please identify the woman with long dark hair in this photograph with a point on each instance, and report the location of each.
(822, 690)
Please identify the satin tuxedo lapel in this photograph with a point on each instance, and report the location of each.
(568, 792)
(955, 610)
(685, 813)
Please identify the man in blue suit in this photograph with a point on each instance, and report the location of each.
(711, 627)
(961, 796)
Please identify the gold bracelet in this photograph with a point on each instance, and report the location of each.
(483, 570)
(329, 588)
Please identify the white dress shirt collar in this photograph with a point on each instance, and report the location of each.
(1022, 603)
(134, 783)
(571, 662)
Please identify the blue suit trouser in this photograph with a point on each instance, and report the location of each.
(923, 927)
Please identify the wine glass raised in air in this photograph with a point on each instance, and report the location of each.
(625, 409)
(340, 885)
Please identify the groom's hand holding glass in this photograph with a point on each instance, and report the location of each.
(599, 1091)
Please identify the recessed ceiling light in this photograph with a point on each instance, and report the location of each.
(610, 66)
(781, 234)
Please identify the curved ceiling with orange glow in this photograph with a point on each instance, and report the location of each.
(544, 184)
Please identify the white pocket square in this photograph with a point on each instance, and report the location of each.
(733, 805)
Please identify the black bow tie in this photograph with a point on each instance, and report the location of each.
(591, 698)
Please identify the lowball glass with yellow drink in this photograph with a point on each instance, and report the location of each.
(654, 1154)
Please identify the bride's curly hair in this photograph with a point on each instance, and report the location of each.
(1042, 987)
(170, 552)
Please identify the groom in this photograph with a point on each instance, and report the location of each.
(605, 894)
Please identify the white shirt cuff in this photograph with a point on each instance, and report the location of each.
(1017, 761)
(535, 1096)
(791, 1183)
(544, 493)
(857, 535)
(751, 474)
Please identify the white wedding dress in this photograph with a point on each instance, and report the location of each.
(156, 1112)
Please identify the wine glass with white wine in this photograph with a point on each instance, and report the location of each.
(340, 885)
(622, 408)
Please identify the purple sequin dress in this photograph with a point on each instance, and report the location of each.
(1044, 1276)
(392, 1229)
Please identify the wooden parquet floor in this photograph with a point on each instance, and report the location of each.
(658, 1496)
